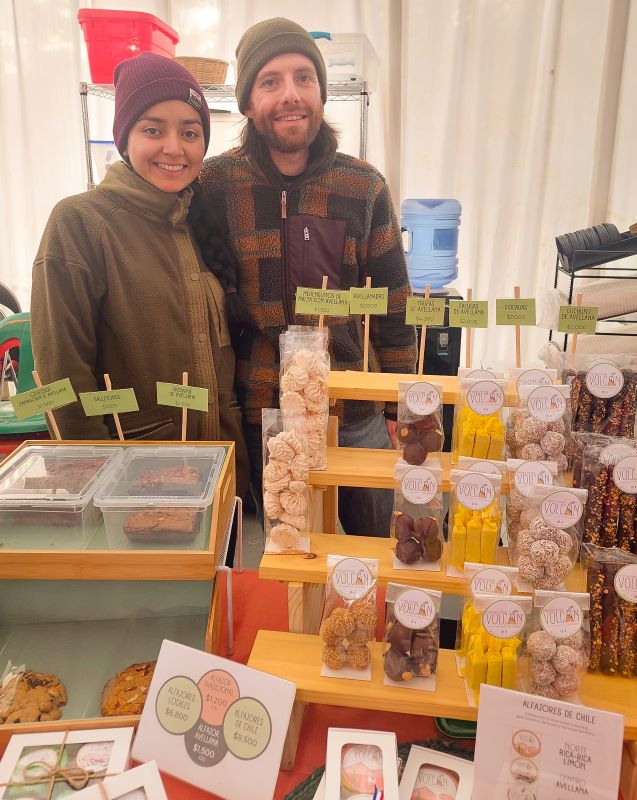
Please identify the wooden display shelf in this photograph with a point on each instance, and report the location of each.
(306, 576)
(383, 386)
(141, 564)
(297, 658)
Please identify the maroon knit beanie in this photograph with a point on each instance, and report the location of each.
(147, 79)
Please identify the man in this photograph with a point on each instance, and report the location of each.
(297, 210)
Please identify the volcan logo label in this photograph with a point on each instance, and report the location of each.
(491, 581)
(625, 475)
(530, 474)
(485, 397)
(562, 509)
(414, 609)
(614, 452)
(351, 578)
(533, 377)
(419, 486)
(439, 783)
(475, 491)
(485, 467)
(422, 398)
(626, 583)
(604, 380)
(546, 403)
(503, 619)
(561, 617)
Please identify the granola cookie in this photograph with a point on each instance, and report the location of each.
(31, 697)
(125, 694)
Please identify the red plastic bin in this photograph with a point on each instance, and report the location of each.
(113, 36)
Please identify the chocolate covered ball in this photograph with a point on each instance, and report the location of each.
(397, 666)
(431, 441)
(427, 423)
(408, 552)
(433, 550)
(414, 454)
(399, 637)
(425, 529)
(406, 432)
(404, 527)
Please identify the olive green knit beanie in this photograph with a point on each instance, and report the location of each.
(267, 39)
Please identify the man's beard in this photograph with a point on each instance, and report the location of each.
(292, 141)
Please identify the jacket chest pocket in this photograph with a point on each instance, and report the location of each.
(315, 247)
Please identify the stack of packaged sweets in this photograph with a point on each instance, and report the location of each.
(412, 634)
(612, 585)
(474, 519)
(523, 476)
(547, 549)
(495, 649)
(558, 645)
(419, 428)
(417, 520)
(303, 399)
(478, 428)
(348, 625)
(286, 492)
(479, 579)
(539, 428)
(607, 468)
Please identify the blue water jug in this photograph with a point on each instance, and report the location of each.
(432, 250)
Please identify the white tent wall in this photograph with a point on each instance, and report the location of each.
(521, 109)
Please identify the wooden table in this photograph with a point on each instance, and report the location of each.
(306, 576)
(297, 658)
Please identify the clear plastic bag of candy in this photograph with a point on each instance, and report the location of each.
(478, 423)
(523, 476)
(475, 517)
(419, 428)
(417, 519)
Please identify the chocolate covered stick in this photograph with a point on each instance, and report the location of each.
(610, 621)
(598, 478)
(598, 415)
(629, 406)
(584, 407)
(576, 388)
(625, 527)
(627, 638)
(610, 514)
(595, 587)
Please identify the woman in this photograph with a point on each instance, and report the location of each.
(119, 285)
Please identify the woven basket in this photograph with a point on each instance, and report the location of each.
(205, 70)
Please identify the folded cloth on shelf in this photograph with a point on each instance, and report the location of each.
(613, 298)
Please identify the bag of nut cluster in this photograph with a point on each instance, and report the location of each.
(303, 399)
(547, 549)
(349, 618)
(603, 392)
(412, 631)
(523, 476)
(286, 492)
(608, 470)
(478, 427)
(539, 429)
(475, 516)
(558, 644)
(419, 428)
(417, 520)
(479, 579)
(494, 651)
(612, 585)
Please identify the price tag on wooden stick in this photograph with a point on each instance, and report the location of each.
(45, 398)
(324, 302)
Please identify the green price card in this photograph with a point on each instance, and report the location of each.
(368, 301)
(578, 319)
(516, 311)
(44, 398)
(468, 314)
(115, 401)
(330, 302)
(425, 311)
(174, 394)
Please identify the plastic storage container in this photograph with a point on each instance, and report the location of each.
(160, 498)
(46, 495)
(432, 249)
(348, 57)
(114, 36)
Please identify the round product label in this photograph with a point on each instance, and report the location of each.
(533, 377)
(205, 744)
(562, 509)
(546, 403)
(526, 743)
(178, 705)
(604, 380)
(524, 771)
(503, 619)
(561, 617)
(247, 728)
(614, 452)
(491, 581)
(475, 491)
(419, 486)
(479, 373)
(351, 578)
(485, 467)
(414, 609)
(422, 398)
(530, 474)
(362, 768)
(218, 691)
(625, 475)
(435, 783)
(485, 397)
(94, 756)
(626, 583)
